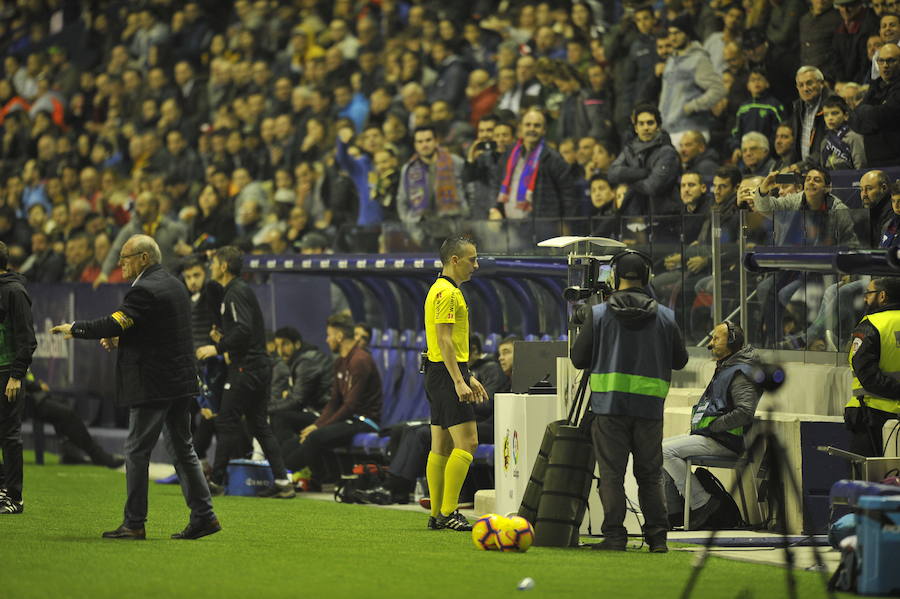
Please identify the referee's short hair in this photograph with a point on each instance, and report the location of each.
(453, 246)
(233, 257)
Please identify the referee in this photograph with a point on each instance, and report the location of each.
(450, 388)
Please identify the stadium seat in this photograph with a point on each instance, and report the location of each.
(546, 337)
(531, 337)
(491, 341)
(387, 359)
(411, 404)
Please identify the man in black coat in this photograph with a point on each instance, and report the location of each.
(876, 118)
(157, 379)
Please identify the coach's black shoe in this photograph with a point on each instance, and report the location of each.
(278, 491)
(609, 545)
(129, 534)
(193, 531)
(11, 506)
(454, 521)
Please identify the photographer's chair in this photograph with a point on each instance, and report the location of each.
(714, 461)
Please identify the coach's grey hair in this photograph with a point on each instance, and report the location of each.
(810, 69)
(145, 243)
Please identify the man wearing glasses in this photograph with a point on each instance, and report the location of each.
(875, 362)
(156, 378)
(876, 117)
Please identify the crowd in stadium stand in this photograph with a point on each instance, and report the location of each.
(292, 125)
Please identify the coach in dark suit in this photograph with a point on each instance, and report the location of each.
(156, 378)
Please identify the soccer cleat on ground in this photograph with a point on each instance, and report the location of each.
(192, 531)
(454, 521)
(278, 491)
(432, 523)
(11, 506)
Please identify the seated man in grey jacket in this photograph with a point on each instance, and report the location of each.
(308, 386)
(719, 421)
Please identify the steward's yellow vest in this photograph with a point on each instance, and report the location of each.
(888, 325)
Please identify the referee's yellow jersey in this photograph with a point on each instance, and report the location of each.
(445, 304)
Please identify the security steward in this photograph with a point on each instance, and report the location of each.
(156, 377)
(450, 387)
(246, 393)
(719, 421)
(875, 362)
(630, 349)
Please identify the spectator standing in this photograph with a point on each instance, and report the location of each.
(876, 117)
(807, 119)
(817, 29)
(841, 148)
(858, 24)
(648, 165)
(690, 84)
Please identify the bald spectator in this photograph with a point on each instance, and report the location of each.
(696, 156)
(889, 33)
(876, 118)
(147, 220)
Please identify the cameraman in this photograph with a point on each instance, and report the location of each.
(630, 347)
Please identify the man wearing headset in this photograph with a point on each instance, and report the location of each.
(630, 349)
(718, 421)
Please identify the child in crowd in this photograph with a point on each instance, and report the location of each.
(841, 148)
(762, 113)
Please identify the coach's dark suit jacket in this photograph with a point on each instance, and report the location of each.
(156, 358)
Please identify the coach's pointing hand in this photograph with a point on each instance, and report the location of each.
(63, 329)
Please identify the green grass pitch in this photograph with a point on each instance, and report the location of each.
(307, 548)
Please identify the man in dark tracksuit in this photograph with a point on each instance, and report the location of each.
(630, 349)
(875, 362)
(157, 379)
(718, 423)
(17, 344)
(242, 341)
(308, 387)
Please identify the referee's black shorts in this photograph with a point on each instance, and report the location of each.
(446, 408)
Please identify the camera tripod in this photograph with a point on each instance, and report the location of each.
(775, 462)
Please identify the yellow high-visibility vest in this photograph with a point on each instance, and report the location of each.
(888, 325)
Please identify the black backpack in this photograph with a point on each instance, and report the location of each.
(728, 515)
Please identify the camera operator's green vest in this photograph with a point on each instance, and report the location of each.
(888, 325)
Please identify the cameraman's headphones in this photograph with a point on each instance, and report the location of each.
(615, 271)
(735, 336)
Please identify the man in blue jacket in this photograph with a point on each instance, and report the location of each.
(630, 348)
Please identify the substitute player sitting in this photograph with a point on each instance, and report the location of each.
(449, 386)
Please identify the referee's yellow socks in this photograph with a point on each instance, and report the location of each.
(434, 472)
(454, 477)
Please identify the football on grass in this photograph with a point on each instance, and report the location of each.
(484, 531)
(515, 534)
